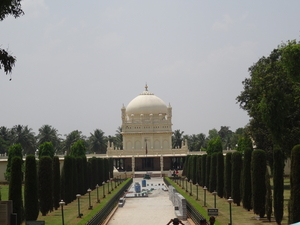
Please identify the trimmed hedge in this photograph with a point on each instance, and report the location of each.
(258, 168)
(220, 174)
(237, 166)
(56, 182)
(45, 185)
(213, 173)
(246, 180)
(294, 206)
(15, 187)
(278, 173)
(31, 199)
(227, 175)
(203, 171)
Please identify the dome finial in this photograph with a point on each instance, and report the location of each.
(146, 87)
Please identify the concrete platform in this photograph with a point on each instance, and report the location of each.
(154, 209)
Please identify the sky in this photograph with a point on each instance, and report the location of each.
(78, 62)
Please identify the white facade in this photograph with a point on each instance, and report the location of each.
(147, 136)
(147, 120)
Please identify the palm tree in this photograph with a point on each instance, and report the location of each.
(177, 138)
(48, 134)
(24, 136)
(71, 138)
(5, 139)
(97, 142)
(119, 138)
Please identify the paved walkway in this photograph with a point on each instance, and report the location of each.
(153, 210)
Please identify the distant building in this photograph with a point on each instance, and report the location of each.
(147, 137)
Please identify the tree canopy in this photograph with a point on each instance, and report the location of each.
(8, 7)
(271, 97)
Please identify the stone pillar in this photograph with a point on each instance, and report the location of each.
(161, 165)
(133, 165)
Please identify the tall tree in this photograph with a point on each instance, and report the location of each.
(46, 149)
(269, 207)
(71, 138)
(207, 175)
(97, 142)
(237, 166)
(15, 188)
(212, 134)
(78, 149)
(56, 182)
(294, 206)
(31, 200)
(203, 171)
(220, 174)
(24, 136)
(214, 146)
(278, 173)
(258, 168)
(5, 139)
(213, 173)
(227, 175)
(48, 134)
(45, 177)
(177, 138)
(14, 150)
(272, 94)
(119, 138)
(246, 179)
(225, 134)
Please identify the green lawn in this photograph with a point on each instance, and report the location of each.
(239, 214)
(71, 210)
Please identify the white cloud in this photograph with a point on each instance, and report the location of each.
(223, 25)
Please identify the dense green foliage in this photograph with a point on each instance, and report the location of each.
(177, 138)
(67, 180)
(97, 142)
(8, 7)
(78, 149)
(207, 174)
(220, 174)
(31, 200)
(237, 166)
(198, 170)
(246, 179)
(278, 173)
(45, 184)
(269, 208)
(14, 150)
(214, 146)
(244, 143)
(107, 169)
(46, 149)
(294, 206)
(227, 175)
(203, 171)
(15, 188)
(272, 94)
(100, 171)
(258, 168)
(48, 133)
(56, 182)
(213, 173)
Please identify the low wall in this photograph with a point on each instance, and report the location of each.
(179, 203)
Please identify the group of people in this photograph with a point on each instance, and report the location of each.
(177, 221)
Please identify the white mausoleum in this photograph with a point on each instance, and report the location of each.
(147, 136)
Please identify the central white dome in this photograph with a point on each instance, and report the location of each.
(146, 103)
